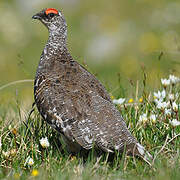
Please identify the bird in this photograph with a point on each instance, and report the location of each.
(73, 101)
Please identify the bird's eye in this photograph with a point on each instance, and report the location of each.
(51, 15)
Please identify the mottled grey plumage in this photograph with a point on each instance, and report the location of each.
(73, 101)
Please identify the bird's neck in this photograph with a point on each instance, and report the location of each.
(55, 47)
(57, 41)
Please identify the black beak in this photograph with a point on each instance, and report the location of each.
(37, 16)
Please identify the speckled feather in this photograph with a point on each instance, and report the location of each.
(73, 101)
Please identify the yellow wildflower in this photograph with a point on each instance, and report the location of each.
(130, 100)
(112, 97)
(35, 172)
(14, 131)
(140, 100)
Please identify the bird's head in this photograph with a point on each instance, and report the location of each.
(52, 19)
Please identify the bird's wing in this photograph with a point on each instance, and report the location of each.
(94, 83)
(83, 113)
(102, 125)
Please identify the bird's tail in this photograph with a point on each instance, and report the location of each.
(145, 155)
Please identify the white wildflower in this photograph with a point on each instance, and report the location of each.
(165, 82)
(173, 79)
(44, 142)
(171, 97)
(168, 112)
(160, 95)
(157, 101)
(163, 94)
(162, 105)
(174, 122)
(119, 101)
(175, 106)
(0, 143)
(6, 154)
(152, 118)
(143, 118)
(29, 161)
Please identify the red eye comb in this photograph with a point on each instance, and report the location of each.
(51, 10)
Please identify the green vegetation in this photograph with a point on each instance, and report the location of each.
(153, 118)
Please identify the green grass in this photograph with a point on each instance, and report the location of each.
(20, 134)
